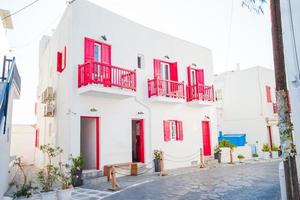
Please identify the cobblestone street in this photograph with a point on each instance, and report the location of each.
(252, 181)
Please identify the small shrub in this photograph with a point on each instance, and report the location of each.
(255, 155)
(275, 148)
(266, 148)
(157, 154)
(240, 156)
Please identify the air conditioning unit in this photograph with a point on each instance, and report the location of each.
(43, 99)
(49, 110)
(48, 94)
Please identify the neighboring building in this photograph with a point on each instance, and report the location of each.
(23, 142)
(291, 40)
(246, 104)
(10, 85)
(115, 90)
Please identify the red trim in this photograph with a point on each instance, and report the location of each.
(142, 141)
(37, 138)
(97, 139)
(65, 57)
(270, 136)
(268, 93)
(206, 138)
(59, 62)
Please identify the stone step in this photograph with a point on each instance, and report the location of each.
(87, 174)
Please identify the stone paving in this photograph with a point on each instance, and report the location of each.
(254, 180)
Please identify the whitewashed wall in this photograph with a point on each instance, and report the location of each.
(23, 142)
(128, 39)
(244, 107)
(291, 40)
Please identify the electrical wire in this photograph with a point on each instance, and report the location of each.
(20, 10)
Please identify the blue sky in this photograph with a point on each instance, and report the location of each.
(205, 22)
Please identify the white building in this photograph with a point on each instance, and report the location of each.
(291, 39)
(121, 90)
(246, 103)
(10, 84)
(23, 142)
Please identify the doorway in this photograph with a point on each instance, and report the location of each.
(206, 138)
(138, 140)
(90, 142)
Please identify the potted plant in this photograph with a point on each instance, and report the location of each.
(227, 144)
(26, 189)
(65, 179)
(157, 157)
(255, 156)
(275, 150)
(217, 153)
(48, 175)
(241, 158)
(76, 170)
(266, 151)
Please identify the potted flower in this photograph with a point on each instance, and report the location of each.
(275, 150)
(266, 151)
(241, 158)
(255, 156)
(48, 175)
(217, 153)
(157, 157)
(25, 190)
(76, 170)
(65, 179)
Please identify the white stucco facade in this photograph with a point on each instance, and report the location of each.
(115, 107)
(242, 105)
(291, 42)
(5, 139)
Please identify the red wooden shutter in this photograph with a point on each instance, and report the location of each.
(179, 132)
(167, 130)
(189, 75)
(36, 138)
(200, 80)
(268, 92)
(88, 50)
(142, 143)
(106, 54)
(173, 72)
(59, 62)
(156, 65)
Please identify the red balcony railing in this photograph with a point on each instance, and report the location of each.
(200, 92)
(107, 75)
(173, 89)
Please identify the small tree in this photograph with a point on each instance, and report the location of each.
(49, 174)
(227, 144)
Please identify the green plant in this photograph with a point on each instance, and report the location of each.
(76, 167)
(265, 148)
(224, 143)
(228, 144)
(49, 174)
(26, 189)
(275, 148)
(157, 154)
(255, 155)
(240, 156)
(63, 176)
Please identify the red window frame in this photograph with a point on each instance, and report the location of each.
(167, 130)
(173, 69)
(61, 60)
(37, 138)
(268, 94)
(89, 44)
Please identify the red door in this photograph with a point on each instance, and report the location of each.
(270, 136)
(206, 138)
(140, 152)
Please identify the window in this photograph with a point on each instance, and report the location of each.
(61, 60)
(140, 61)
(164, 71)
(268, 94)
(97, 52)
(173, 130)
(193, 77)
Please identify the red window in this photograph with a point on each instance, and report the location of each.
(173, 130)
(95, 51)
(165, 70)
(37, 138)
(268, 92)
(61, 60)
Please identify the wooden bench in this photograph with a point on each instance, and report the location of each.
(133, 169)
